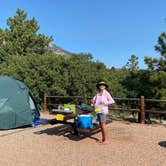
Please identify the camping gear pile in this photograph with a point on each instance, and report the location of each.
(81, 115)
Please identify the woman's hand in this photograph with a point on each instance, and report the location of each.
(101, 102)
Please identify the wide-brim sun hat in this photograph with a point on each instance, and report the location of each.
(101, 83)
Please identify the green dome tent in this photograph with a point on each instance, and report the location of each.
(17, 105)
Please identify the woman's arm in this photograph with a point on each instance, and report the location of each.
(109, 100)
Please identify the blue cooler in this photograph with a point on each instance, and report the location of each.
(85, 121)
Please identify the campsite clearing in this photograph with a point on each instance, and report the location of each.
(54, 145)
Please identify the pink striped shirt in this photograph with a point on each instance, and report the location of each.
(106, 98)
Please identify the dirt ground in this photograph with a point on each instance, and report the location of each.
(53, 145)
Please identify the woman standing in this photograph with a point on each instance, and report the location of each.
(101, 101)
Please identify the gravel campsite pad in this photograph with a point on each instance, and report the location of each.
(54, 145)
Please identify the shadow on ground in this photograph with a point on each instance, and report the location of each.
(67, 131)
(162, 144)
(132, 120)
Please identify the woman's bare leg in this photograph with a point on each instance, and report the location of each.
(104, 132)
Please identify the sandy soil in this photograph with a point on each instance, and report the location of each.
(53, 145)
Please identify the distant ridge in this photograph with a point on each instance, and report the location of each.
(58, 50)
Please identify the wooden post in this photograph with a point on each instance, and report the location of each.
(142, 113)
(45, 103)
(85, 100)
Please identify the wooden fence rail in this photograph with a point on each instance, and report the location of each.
(141, 102)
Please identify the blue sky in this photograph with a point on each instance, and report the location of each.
(112, 30)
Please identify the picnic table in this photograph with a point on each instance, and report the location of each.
(62, 117)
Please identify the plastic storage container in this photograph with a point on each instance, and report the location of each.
(85, 121)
